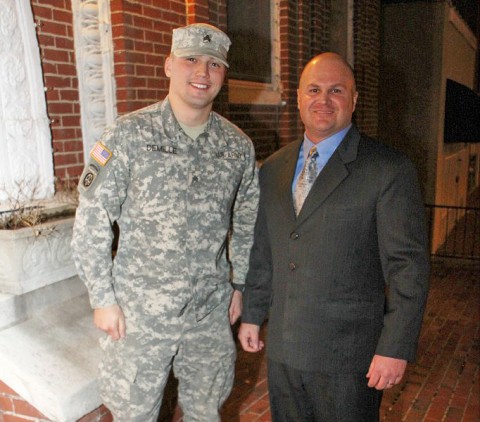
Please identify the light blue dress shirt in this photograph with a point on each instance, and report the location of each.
(325, 150)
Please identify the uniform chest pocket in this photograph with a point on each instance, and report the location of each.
(157, 183)
(150, 165)
(229, 173)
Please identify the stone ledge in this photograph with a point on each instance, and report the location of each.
(51, 360)
(18, 308)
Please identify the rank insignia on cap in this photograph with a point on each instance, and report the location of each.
(100, 153)
(201, 39)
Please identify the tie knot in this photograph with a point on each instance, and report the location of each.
(313, 153)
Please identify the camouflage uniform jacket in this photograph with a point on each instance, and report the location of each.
(175, 200)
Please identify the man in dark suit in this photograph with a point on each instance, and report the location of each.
(339, 261)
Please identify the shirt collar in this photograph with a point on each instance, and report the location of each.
(326, 147)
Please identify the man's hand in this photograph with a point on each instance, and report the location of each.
(111, 320)
(385, 372)
(236, 306)
(248, 334)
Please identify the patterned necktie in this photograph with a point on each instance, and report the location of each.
(305, 180)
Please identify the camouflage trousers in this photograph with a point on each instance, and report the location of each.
(133, 371)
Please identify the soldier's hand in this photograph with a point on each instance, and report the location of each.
(236, 304)
(111, 320)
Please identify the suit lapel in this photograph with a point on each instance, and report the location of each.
(286, 180)
(334, 172)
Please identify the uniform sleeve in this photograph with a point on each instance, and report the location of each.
(102, 187)
(243, 220)
(403, 249)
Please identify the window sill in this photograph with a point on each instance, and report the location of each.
(246, 92)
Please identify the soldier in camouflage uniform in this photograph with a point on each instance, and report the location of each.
(177, 178)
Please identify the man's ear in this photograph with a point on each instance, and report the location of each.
(168, 66)
(355, 98)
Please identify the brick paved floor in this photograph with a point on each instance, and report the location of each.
(442, 386)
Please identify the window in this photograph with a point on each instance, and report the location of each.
(254, 55)
(249, 28)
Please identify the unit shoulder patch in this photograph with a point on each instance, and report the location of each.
(89, 176)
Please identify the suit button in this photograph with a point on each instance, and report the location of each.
(292, 266)
(294, 236)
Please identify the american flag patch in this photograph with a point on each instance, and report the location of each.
(100, 154)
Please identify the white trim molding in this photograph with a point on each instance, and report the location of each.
(26, 159)
(95, 70)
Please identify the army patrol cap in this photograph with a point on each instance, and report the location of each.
(201, 39)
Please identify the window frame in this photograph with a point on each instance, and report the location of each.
(262, 93)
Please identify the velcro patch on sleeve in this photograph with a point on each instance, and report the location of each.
(88, 177)
(100, 153)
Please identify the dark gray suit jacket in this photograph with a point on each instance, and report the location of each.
(347, 278)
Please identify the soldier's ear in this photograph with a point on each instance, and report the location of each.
(168, 66)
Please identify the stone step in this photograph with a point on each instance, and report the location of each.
(51, 360)
(18, 308)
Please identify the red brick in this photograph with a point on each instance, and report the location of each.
(57, 82)
(55, 55)
(67, 69)
(55, 28)
(454, 414)
(6, 404)
(62, 16)
(4, 388)
(260, 406)
(458, 401)
(24, 408)
(73, 146)
(42, 12)
(60, 108)
(102, 414)
(64, 159)
(61, 133)
(70, 121)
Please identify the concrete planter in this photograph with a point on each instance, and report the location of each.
(34, 257)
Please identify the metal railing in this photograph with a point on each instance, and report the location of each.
(454, 232)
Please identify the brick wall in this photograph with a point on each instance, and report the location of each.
(55, 36)
(15, 409)
(367, 61)
(303, 33)
(319, 18)
(142, 37)
(290, 127)
(260, 123)
(141, 32)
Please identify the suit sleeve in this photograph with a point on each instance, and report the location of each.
(258, 288)
(403, 246)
